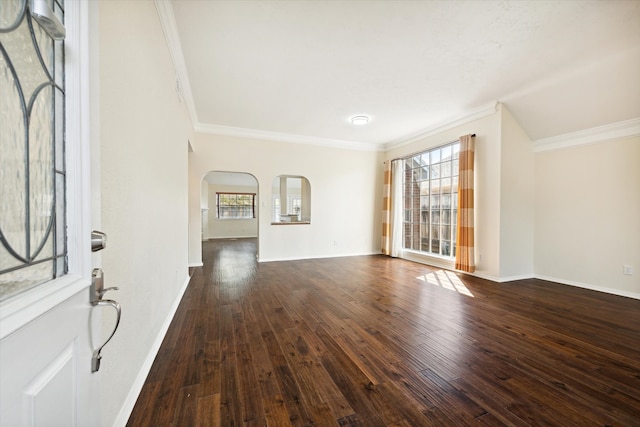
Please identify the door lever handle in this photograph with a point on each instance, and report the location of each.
(95, 360)
(96, 293)
(97, 286)
(101, 292)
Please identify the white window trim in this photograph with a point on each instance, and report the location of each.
(240, 218)
(21, 309)
(428, 257)
(440, 261)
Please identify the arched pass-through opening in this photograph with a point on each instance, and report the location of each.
(229, 204)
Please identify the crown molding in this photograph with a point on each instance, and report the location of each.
(468, 116)
(619, 130)
(170, 31)
(286, 137)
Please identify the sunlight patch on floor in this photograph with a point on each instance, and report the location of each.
(447, 280)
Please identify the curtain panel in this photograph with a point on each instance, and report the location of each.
(392, 208)
(386, 209)
(397, 214)
(465, 252)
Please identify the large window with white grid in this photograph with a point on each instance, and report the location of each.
(430, 200)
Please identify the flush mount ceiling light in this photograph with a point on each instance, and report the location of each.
(359, 120)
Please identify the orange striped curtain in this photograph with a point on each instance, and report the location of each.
(465, 253)
(386, 209)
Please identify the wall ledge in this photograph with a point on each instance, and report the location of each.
(613, 131)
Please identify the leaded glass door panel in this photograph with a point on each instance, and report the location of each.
(32, 167)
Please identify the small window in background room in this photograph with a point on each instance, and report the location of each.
(236, 205)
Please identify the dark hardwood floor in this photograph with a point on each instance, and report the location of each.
(375, 341)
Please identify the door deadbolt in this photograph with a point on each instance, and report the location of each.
(98, 241)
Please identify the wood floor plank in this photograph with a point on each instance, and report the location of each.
(495, 403)
(375, 341)
(252, 410)
(349, 379)
(314, 381)
(230, 410)
(208, 411)
(186, 407)
(210, 369)
(298, 413)
(275, 411)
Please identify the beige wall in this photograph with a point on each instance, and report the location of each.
(143, 172)
(345, 195)
(487, 190)
(516, 200)
(587, 215)
(224, 228)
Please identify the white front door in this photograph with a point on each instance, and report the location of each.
(48, 328)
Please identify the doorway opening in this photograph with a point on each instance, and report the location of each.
(229, 204)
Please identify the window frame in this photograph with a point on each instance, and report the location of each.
(294, 201)
(43, 258)
(227, 193)
(416, 231)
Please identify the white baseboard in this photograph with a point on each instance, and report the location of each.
(502, 279)
(136, 388)
(229, 237)
(590, 287)
(260, 259)
(196, 264)
(434, 262)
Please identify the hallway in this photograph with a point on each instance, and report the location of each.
(375, 341)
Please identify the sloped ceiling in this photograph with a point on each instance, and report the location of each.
(302, 69)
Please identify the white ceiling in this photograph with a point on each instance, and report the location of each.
(301, 69)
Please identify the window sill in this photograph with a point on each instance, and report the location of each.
(434, 260)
